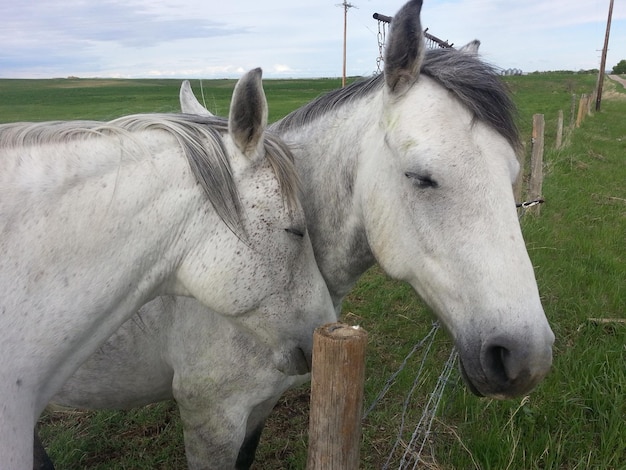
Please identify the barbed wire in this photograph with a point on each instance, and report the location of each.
(392, 378)
(407, 400)
(424, 425)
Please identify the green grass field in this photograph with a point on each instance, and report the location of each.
(106, 99)
(576, 417)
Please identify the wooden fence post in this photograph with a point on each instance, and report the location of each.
(572, 111)
(337, 380)
(582, 109)
(536, 161)
(559, 130)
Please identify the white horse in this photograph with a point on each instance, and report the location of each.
(411, 169)
(99, 218)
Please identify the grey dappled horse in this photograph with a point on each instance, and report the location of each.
(97, 219)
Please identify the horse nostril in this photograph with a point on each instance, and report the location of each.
(509, 366)
(495, 362)
(506, 362)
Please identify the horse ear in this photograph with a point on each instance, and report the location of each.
(248, 113)
(470, 47)
(405, 48)
(189, 103)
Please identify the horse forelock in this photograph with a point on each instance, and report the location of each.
(212, 167)
(281, 159)
(476, 84)
(202, 144)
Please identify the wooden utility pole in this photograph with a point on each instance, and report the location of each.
(603, 60)
(345, 6)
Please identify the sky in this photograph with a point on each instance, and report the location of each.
(288, 39)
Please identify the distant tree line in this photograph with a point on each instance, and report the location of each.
(620, 68)
(568, 72)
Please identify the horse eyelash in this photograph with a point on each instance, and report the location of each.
(422, 181)
(295, 231)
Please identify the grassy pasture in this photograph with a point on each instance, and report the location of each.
(106, 99)
(576, 417)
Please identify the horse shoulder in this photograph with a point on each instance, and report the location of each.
(130, 369)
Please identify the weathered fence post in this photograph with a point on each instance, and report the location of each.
(583, 104)
(572, 111)
(559, 130)
(337, 380)
(536, 161)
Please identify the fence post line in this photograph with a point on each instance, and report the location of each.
(337, 381)
(559, 130)
(536, 161)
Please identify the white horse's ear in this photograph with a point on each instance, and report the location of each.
(247, 119)
(405, 48)
(471, 47)
(189, 103)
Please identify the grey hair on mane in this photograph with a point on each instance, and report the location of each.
(200, 139)
(476, 84)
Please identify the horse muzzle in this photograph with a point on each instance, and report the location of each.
(505, 367)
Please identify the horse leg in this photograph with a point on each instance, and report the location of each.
(254, 428)
(247, 452)
(214, 425)
(41, 459)
(16, 436)
(212, 437)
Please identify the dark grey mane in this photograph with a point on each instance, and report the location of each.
(200, 138)
(475, 83)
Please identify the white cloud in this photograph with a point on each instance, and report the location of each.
(282, 68)
(192, 38)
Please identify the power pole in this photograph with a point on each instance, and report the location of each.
(345, 6)
(603, 60)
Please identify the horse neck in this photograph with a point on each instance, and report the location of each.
(104, 246)
(327, 158)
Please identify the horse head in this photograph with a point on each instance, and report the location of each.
(438, 188)
(265, 274)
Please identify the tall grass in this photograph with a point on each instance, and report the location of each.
(576, 417)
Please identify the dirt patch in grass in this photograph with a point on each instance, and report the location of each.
(615, 88)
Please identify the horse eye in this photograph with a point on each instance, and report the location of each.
(295, 231)
(422, 181)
